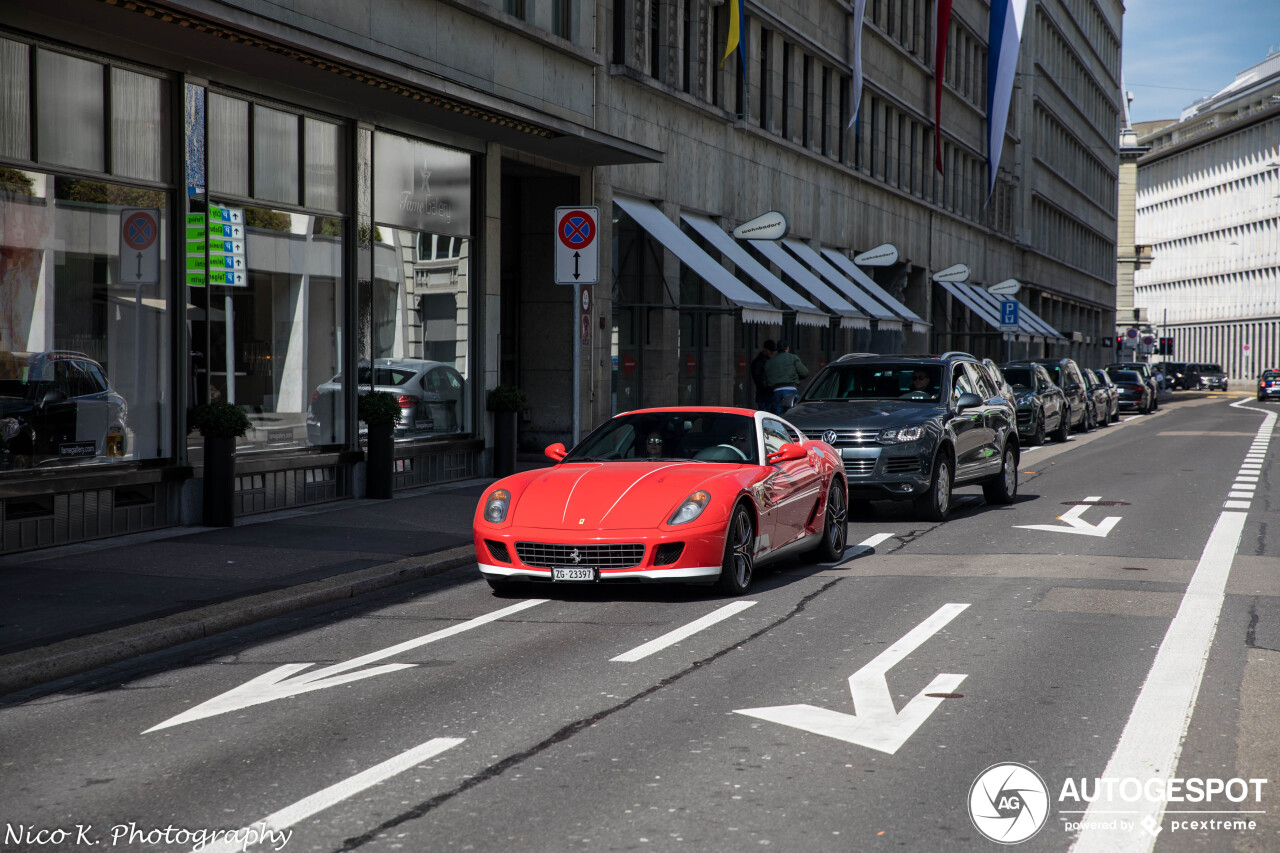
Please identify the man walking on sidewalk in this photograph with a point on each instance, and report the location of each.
(764, 395)
(783, 373)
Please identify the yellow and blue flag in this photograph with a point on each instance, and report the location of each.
(735, 36)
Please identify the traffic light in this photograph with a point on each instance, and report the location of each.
(1166, 346)
(1119, 341)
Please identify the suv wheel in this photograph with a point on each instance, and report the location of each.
(1063, 432)
(1003, 488)
(1037, 437)
(935, 503)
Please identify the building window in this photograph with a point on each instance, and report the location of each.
(764, 87)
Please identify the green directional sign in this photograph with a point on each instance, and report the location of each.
(215, 252)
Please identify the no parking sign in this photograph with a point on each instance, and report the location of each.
(140, 245)
(577, 249)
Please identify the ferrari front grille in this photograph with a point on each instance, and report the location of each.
(668, 553)
(498, 550)
(545, 556)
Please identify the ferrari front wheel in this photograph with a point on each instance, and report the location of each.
(835, 527)
(739, 553)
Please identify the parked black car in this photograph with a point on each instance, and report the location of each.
(1212, 377)
(1113, 393)
(1042, 407)
(1134, 391)
(1148, 377)
(1182, 375)
(57, 406)
(1066, 374)
(914, 428)
(1099, 400)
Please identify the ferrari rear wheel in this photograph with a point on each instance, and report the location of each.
(739, 554)
(835, 527)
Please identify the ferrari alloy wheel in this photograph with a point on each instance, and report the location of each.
(835, 527)
(1003, 488)
(739, 554)
(935, 503)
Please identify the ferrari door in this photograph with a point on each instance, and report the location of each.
(792, 485)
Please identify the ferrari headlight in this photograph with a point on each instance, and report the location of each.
(495, 506)
(898, 436)
(691, 508)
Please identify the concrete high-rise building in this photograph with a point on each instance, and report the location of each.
(1208, 205)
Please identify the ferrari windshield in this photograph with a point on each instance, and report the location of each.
(698, 436)
(876, 381)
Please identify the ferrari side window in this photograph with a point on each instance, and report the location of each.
(775, 435)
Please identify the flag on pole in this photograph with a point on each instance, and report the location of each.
(734, 42)
(855, 89)
(1002, 64)
(941, 29)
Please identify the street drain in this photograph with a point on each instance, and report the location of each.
(945, 695)
(1095, 503)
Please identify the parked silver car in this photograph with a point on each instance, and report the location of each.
(430, 394)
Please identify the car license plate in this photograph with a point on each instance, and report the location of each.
(573, 573)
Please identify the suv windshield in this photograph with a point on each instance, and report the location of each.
(697, 436)
(1212, 368)
(876, 381)
(1021, 378)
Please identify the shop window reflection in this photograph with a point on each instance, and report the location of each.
(84, 360)
(418, 329)
(280, 360)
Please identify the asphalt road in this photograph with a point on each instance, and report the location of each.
(557, 726)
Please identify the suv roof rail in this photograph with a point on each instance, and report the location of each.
(858, 355)
(956, 352)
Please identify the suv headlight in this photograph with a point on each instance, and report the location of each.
(898, 436)
(496, 505)
(691, 508)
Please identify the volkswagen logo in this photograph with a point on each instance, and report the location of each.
(829, 436)
(575, 557)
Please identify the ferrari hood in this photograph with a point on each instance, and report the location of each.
(608, 495)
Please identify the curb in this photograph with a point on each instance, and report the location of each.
(43, 664)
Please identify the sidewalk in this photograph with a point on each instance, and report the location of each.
(70, 609)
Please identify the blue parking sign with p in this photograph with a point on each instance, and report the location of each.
(1009, 313)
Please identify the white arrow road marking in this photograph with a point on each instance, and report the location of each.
(1077, 525)
(272, 685)
(673, 637)
(271, 826)
(877, 724)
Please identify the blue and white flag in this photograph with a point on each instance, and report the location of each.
(855, 88)
(1002, 65)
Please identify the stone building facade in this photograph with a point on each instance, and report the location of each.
(388, 173)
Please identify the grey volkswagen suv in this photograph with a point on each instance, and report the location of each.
(914, 428)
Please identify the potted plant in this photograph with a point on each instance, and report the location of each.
(506, 402)
(381, 411)
(220, 423)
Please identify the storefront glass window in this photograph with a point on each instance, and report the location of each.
(84, 354)
(322, 169)
(274, 342)
(228, 145)
(416, 316)
(275, 155)
(139, 121)
(15, 100)
(70, 111)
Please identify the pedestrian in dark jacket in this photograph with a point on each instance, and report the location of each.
(783, 372)
(764, 394)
